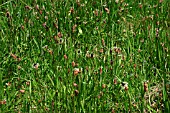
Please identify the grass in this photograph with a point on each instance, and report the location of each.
(84, 56)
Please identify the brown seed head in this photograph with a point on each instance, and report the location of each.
(98, 96)
(74, 28)
(101, 70)
(2, 102)
(14, 56)
(68, 71)
(140, 6)
(50, 51)
(96, 12)
(100, 13)
(87, 68)
(8, 14)
(130, 60)
(75, 85)
(111, 62)
(76, 71)
(27, 83)
(37, 7)
(40, 11)
(59, 34)
(77, 64)
(19, 67)
(135, 65)
(22, 27)
(65, 57)
(101, 50)
(46, 108)
(123, 57)
(145, 86)
(71, 10)
(73, 64)
(107, 10)
(113, 111)
(139, 50)
(27, 7)
(115, 81)
(160, 1)
(76, 92)
(55, 38)
(126, 88)
(39, 101)
(22, 91)
(103, 86)
(160, 94)
(19, 59)
(44, 24)
(55, 25)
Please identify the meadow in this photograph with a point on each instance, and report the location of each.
(80, 56)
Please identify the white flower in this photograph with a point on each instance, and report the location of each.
(125, 85)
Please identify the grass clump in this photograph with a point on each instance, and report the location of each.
(84, 56)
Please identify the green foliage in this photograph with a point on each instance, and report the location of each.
(84, 56)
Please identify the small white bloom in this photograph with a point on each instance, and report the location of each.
(35, 66)
(124, 85)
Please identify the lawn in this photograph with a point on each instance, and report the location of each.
(80, 56)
